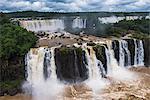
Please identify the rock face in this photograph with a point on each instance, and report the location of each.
(115, 46)
(100, 54)
(146, 52)
(131, 49)
(11, 72)
(72, 67)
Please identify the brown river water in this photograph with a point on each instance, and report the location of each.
(138, 89)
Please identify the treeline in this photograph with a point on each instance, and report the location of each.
(33, 14)
(15, 42)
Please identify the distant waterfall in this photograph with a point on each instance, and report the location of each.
(79, 23)
(43, 25)
(139, 53)
(124, 54)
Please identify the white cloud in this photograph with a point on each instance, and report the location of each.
(75, 5)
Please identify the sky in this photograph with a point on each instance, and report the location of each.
(75, 5)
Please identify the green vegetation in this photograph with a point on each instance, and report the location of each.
(137, 28)
(15, 42)
(99, 52)
(79, 51)
(64, 50)
(10, 84)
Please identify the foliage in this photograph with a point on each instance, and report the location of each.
(64, 50)
(15, 41)
(10, 84)
(137, 28)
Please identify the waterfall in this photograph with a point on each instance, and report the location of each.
(95, 66)
(84, 47)
(53, 65)
(112, 62)
(93, 62)
(79, 23)
(35, 60)
(135, 55)
(41, 61)
(51, 25)
(107, 59)
(41, 65)
(124, 54)
(76, 66)
(47, 60)
(114, 70)
(139, 53)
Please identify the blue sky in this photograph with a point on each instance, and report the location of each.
(74, 5)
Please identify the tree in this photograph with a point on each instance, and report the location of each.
(15, 41)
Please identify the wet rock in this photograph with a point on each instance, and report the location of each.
(72, 67)
(12, 92)
(131, 47)
(91, 44)
(146, 43)
(2, 91)
(115, 45)
(100, 54)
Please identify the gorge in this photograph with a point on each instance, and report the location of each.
(75, 58)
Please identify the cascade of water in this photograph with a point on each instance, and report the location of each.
(84, 23)
(121, 54)
(113, 65)
(94, 63)
(123, 51)
(53, 65)
(108, 59)
(43, 25)
(47, 65)
(135, 55)
(40, 64)
(139, 53)
(125, 46)
(79, 23)
(113, 68)
(84, 47)
(35, 60)
(101, 67)
(94, 66)
(76, 66)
